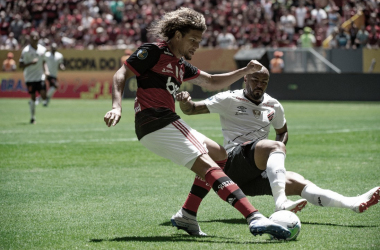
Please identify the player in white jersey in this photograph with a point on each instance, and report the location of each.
(54, 61)
(33, 63)
(255, 163)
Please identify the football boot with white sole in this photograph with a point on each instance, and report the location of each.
(264, 225)
(293, 206)
(364, 201)
(187, 222)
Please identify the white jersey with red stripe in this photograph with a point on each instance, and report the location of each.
(243, 120)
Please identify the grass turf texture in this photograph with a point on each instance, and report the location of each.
(70, 182)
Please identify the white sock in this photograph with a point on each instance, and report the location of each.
(32, 107)
(51, 92)
(277, 177)
(325, 198)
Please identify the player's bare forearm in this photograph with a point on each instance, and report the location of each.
(282, 138)
(189, 107)
(220, 81)
(113, 116)
(282, 134)
(117, 89)
(194, 108)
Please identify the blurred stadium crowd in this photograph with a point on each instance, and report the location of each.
(88, 24)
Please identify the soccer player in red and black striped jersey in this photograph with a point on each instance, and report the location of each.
(160, 68)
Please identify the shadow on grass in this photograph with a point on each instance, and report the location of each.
(185, 238)
(336, 225)
(243, 221)
(227, 221)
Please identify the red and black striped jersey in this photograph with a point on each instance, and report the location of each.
(159, 75)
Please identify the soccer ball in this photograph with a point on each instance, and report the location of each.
(288, 220)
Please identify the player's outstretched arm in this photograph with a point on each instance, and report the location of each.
(113, 116)
(220, 81)
(189, 107)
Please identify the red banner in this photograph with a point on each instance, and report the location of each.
(84, 85)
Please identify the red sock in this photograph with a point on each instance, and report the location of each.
(228, 191)
(198, 191)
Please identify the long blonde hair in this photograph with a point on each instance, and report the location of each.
(183, 20)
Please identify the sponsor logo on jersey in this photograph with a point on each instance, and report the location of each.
(224, 184)
(168, 53)
(210, 98)
(171, 87)
(142, 54)
(241, 110)
(164, 70)
(270, 116)
(268, 105)
(241, 99)
(256, 113)
(137, 106)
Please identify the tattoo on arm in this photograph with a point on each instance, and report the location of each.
(200, 108)
(195, 108)
(202, 80)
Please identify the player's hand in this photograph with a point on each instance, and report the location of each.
(112, 117)
(183, 97)
(254, 66)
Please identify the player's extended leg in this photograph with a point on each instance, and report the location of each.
(52, 89)
(296, 184)
(187, 214)
(228, 191)
(32, 107)
(270, 156)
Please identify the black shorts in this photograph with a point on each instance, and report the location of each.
(35, 86)
(241, 168)
(52, 81)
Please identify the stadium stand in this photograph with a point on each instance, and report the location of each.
(88, 24)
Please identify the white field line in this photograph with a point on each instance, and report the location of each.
(69, 141)
(68, 130)
(135, 139)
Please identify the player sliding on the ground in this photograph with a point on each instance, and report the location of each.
(253, 161)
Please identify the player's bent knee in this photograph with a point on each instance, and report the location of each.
(203, 164)
(270, 146)
(295, 183)
(278, 146)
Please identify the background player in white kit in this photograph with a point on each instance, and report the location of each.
(54, 61)
(32, 61)
(246, 116)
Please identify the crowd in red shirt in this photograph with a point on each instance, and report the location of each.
(86, 24)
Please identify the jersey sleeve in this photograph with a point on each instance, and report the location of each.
(191, 71)
(143, 59)
(218, 102)
(279, 117)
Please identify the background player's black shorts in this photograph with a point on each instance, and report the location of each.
(35, 86)
(241, 168)
(52, 81)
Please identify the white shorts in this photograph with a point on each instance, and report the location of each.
(177, 142)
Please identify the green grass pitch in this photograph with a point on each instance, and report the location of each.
(70, 182)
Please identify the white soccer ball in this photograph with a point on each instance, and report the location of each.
(288, 220)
